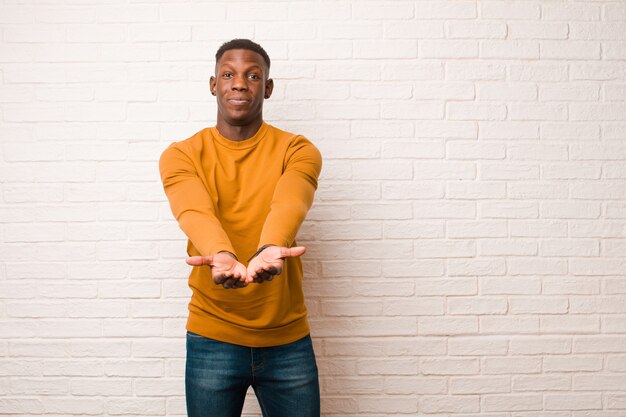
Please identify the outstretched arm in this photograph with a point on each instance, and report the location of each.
(293, 194)
(191, 203)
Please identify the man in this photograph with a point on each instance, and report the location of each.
(240, 191)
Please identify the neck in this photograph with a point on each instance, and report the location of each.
(238, 133)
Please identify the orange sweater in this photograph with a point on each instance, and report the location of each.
(238, 196)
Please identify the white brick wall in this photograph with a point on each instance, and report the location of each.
(467, 247)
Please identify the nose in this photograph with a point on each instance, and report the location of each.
(240, 83)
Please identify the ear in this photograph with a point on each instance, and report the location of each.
(212, 84)
(269, 87)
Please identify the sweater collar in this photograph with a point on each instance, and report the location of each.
(242, 144)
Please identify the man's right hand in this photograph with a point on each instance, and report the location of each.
(225, 268)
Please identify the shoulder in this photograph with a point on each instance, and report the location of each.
(293, 141)
(185, 150)
(190, 145)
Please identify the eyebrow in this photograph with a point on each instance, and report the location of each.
(247, 68)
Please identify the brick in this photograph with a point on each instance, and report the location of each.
(320, 11)
(599, 304)
(89, 386)
(413, 190)
(578, 401)
(571, 12)
(507, 247)
(422, 307)
(595, 31)
(412, 110)
(447, 325)
(572, 363)
(479, 385)
(467, 150)
(564, 171)
(352, 308)
(570, 324)
(40, 386)
(387, 366)
(606, 266)
(351, 385)
(136, 406)
(509, 325)
(395, 404)
(512, 365)
(598, 382)
(474, 229)
(569, 130)
(616, 401)
(412, 269)
(537, 30)
(448, 48)
(392, 326)
(538, 345)
(456, 286)
(482, 345)
(386, 12)
(437, 404)
(409, 30)
(541, 383)
(509, 210)
(616, 363)
(573, 247)
(449, 210)
(444, 170)
(412, 229)
(447, 10)
(595, 228)
(444, 249)
(476, 305)
(593, 111)
(505, 91)
(475, 71)
(476, 111)
(414, 385)
(355, 30)
(472, 190)
(512, 402)
(476, 30)
(509, 49)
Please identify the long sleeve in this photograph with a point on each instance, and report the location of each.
(191, 203)
(293, 194)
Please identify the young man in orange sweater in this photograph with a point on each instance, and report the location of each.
(240, 191)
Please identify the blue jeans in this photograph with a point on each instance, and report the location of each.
(218, 374)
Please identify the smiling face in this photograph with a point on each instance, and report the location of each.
(241, 84)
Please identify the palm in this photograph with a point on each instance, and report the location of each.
(225, 269)
(269, 263)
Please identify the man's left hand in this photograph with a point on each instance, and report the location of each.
(269, 263)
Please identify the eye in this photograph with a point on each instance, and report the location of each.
(254, 76)
(227, 74)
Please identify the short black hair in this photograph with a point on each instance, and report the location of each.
(242, 44)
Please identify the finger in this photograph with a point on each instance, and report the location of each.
(263, 276)
(229, 283)
(222, 276)
(295, 251)
(240, 284)
(251, 277)
(199, 260)
(272, 270)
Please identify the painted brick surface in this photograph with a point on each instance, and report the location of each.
(466, 248)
